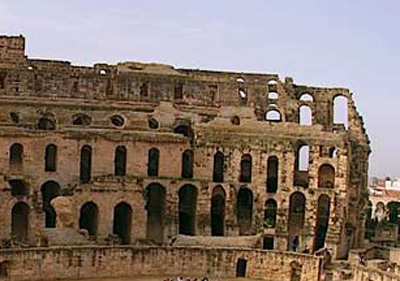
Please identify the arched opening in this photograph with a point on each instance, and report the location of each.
(272, 174)
(340, 110)
(187, 164)
(241, 267)
(81, 120)
(47, 124)
(153, 123)
(369, 222)
(187, 209)
(268, 242)
(326, 176)
(144, 89)
(322, 223)
(273, 95)
(184, 130)
(270, 213)
(218, 211)
(155, 212)
(16, 154)
(122, 222)
(245, 168)
(305, 115)
(301, 166)
(218, 168)
(4, 269)
(120, 161)
(50, 190)
(153, 162)
(273, 115)
(235, 120)
(306, 97)
(18, 188)
(50, 158)
(117, 120)
(244, 210)
(88, 218)
(272, 82)
(297, 209)
(20, 221)
(394, 212)
(380, 211)
(86, 164)
(242, 96)
(14, 117)
(178, 92)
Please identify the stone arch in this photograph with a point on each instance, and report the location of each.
(305, 115)
(244, 210)
(306, 97)
(46, 123)
(50, 190)
(86, 164)
(272, 174)
(187, 209)
(183, 128)
(88, 218)
(273, 115)
(218, 168)
(153, 162)
(155, 207)
(270, 213)
(122, 222)
(50, 158)
(322, 222)
(81, 119)
(340, 110)
(218, 211)
(297, 209)
(245, 168)
(20, 221)
(18, 188)
(16, 154)
(302, 159)
(187, 164)
(326, 176)
(120, 161)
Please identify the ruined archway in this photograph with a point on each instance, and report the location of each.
(297, 208)
(326, 176)
(270, 213)
(20, 221)
(16, 155)
(272, 174)
(244, 210)
(187, 209)
(155, 212)
(122, 222)
(88, 218)
(50, 190)
(322, 222)
(218, 168)
(218, 211)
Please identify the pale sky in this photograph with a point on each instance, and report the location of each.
(348, 43)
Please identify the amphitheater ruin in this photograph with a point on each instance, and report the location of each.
(145, 169)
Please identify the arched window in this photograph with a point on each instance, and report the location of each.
(272, 82)
(122, 222)
(120, 161)
(46, 123)
(187, 209)
(16, 154)
(297, 209)
(50, 158)
(340, 110)
(155, 207)
(184, 130)
(303, 156)
(270, 213)
(305, 115)
(322, 223)
(273, 115)
(218, 211)
(153, 162)
(81, 120)
(218, 169)
(18, 188)
(306, 97)
(245, 168)
(272, 174)
(326, 176)
(50, 190)
(86, 164)
(187, 164)
(244, 210)
(88, 218)
(20, 221)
